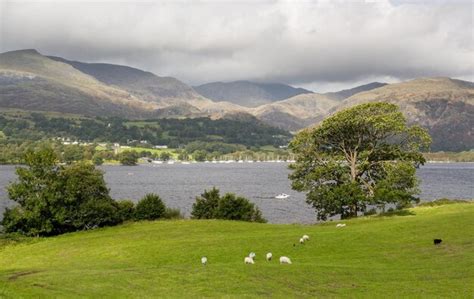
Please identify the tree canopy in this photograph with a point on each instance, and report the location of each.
(363, 155)
(54, 199)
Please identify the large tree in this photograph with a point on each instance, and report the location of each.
(53, 199)
(363, 155)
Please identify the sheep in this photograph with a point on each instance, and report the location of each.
(301, 241)
(248, 260)
(340, 225)
(437, 241)
(269, 256)
(252, 255)
(285, 260)
(204, 260)
(306, 238)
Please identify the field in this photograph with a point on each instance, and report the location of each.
(370, 257)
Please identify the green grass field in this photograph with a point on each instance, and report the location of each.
(374, 257)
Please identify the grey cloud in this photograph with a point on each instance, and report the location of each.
(305, 43)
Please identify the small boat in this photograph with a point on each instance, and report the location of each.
(282, 196)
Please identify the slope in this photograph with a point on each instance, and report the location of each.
(29, 80)
(442, 105)
(248, 94)
(370, 257)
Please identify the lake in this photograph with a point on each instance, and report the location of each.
(179, 184)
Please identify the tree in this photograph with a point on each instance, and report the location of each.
(128, 158)
(150, 207)
(165, 156)
(97, 160)
(230, 207)
(363, 155)
(206, 206)
(54, 199)
(199, 155)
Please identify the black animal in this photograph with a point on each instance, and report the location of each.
(437, 241)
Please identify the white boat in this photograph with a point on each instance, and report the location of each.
(282, 196)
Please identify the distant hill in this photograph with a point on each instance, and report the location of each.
(148, 86)
(248, 94)
(442, 105)
(297, 112)
(344, 94)
(29, 80)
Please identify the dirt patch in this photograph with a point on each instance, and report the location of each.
(17, 275)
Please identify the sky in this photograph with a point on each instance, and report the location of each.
(320, 45)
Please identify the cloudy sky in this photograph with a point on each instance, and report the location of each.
(321, 45)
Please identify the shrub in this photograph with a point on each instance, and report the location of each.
(125, 209)
(54, 199)
(171, 213)
(150, 207)
(231, 207)
(205, 206)
(128, 158)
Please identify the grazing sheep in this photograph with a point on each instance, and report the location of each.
(306, 238)
(285, 260)
(301, 241)
(269, 256)
(248, 260)
(204, 260)
(252, 255)
(437, 241)
(340, 225)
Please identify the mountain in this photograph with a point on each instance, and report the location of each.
(248, 94)
(344, 94)
(442, 105)
(29, 80)
(145, 85)
(297, 112)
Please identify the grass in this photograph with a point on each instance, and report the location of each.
(370, 257)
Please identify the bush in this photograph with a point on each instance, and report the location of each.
(230, 207)
(171, 213)
(125, 209)
(54, 199)
(150, 207)
(128, 158)
(206, 206)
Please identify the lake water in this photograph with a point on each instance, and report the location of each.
(179, 184)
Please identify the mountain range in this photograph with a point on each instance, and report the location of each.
(32, 81)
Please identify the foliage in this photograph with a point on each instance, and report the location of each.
(363, 155)
(150, 207)
(206, 205)
(128, 158)
(125, 210)
(173, 213)
(172, 132)
(165, 156)
(199, 155)
(56, 199)
(230, 207)
(97, 160)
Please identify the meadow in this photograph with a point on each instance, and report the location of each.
(375, 256)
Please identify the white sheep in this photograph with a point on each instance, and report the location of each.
(285, 260)
(306, 237)
(269, 256)
(340, 225)
(204, 260)
(301, 241)
(252, 255)
(248, 260)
